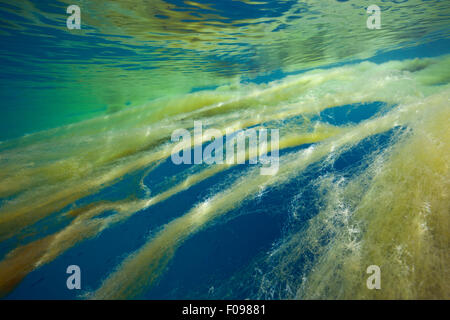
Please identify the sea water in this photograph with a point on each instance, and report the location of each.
(87, 178)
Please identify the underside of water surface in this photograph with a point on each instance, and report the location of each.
(86, 170)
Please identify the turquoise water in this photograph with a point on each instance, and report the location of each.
(87, 176)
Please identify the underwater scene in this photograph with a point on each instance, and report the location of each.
(225, 149)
